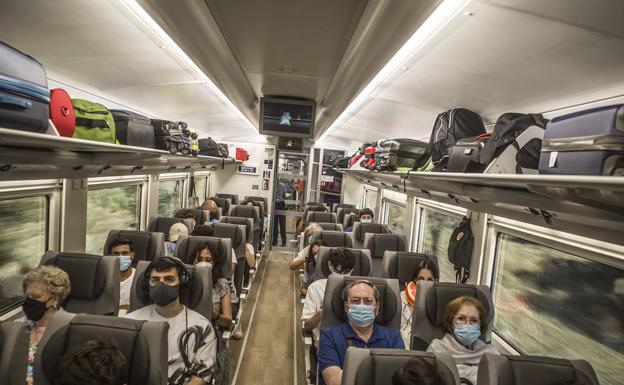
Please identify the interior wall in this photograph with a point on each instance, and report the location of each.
(351, 189)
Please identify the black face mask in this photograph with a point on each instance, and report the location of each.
(213, 215)
(34, 310)
(163, 294)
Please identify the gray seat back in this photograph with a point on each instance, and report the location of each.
(430, 303)
(200, 216)
(309, 209)
(330, 226)
(319, 216)
(236, 234)
(197, 297)
(223, 203)
(246, 212)
(342, 211)
(378, 244)
(349, 220)
(247, 222)
(14, 339)
(362, 264)
(94, 281)
(223, 246)
(361, 229)
(264, 203)
(497, 369)
(163, 224)
(333, 238)
(337, 206)
(233, 197)
(333, 304)
(143, 343)
(402, 264)
(377, 366)
(218, 217)
(147, 245)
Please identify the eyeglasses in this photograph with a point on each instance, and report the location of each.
(463, 320)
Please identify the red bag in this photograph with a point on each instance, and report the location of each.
(62, 112)
(241, 154)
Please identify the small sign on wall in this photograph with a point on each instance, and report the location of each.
(248, 170)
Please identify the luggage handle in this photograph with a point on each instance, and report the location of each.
(16, 102)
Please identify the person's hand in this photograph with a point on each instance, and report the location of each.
(215, 315)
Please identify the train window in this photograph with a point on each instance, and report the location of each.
(393, 217)
(170, 196)
(435, 231)
(201, 184)
(22, 243)
(111, 208)
(549, 302)
(370, 199)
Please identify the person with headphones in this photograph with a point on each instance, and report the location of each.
(361, 304)
(163, 280)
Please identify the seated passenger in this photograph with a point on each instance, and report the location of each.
(306, 258)
(466, 320)
(360, 330)
(213, 208)
(45, 288)
(122, 247)
(165, 278)
(417, 371)
(93, 362)
(249, 203)
(190, 214)
(307, 233)
(341, 261)
(206, 231)
(175, 231)
(427, 270)
(366, 216)
(204, 253)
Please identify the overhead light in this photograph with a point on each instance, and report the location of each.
(434, 23)
(165, 41)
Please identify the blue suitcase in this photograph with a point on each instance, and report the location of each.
(24, 94)
(589, 142)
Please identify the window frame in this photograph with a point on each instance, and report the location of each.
(184, 177)
(112, 182)
(424, 204)
(364, 198)
(206, 175)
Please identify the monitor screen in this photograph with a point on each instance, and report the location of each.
(287, 117)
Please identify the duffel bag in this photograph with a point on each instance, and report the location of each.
(93, 121)
(464, 155)
(208, 147)
(133, 129)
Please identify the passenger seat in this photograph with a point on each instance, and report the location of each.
(361, 229)
(333, 238)
(342, 211)
(319, 216)
(147, 245)
(337, 206)
(199, 214)
(330, 226)
(223, 246)
(223, 203)
(362, 266)
(349, 220)
(163, 224)
(402, 264)
(254, 214)
(14, 339)
(232, 197)
(378, 244)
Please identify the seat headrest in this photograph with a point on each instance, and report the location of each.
(321, 216)
(337, 206)
(186, 245)
(142, 242)
(402, 264)
(163, 225)
(228, 230)
(198, 214)
(442, 293)
(86, 273)
(222, 202)
(247, 222)
(233, 197)
(362, 264)
(330, 226)
(349, 220)
(244, 211)
(361, 229)
(342, 211)
(333, 238)
(380, 243)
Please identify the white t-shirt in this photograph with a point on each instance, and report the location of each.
(406, 320)
(234, 261)
(313, 303)
(301, 255)
(124, 289)
(206, 354)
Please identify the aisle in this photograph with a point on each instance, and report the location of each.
(269, 349)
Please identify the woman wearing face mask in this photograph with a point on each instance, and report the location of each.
(307, 259)
(44, 288)
(426, 270)
(466, 320)
(204, 254)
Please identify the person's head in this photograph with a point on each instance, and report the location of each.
(426, 270)
(203, 230)
(123, 248)
(45, 288)
(249, 203)
(205, 253)
(315, 247)
(341, 261)
(176, 230)
(361, 302)
(164, 276)
(312, 227)
(466, 318)
(93, 362)
(187, 214)
(417, 371)
(366, 215)
(210, 205)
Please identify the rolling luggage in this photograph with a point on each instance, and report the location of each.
(93, 121)
(588, 142)
(62, 112)
(208, 147)
(464, 155)
(24, 94)
(167, 136)
(133, 129)
(397, 154)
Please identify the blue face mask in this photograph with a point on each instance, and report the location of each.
(361, 315)
(125, 261)
(467, 334)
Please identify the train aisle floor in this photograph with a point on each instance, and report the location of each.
(272, 350)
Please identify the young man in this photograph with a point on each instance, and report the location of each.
(93, 362)
(166, 277)
(366, 216)
(122, 247)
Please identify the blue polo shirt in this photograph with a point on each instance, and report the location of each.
(336, 339)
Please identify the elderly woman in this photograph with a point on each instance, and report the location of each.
(466, 320)
(45, 289)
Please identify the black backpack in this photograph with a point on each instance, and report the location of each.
(208, 147)
(460, 248)
(451, 126)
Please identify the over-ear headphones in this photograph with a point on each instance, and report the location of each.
(183, 273)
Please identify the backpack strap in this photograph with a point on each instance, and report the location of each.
(91, 123)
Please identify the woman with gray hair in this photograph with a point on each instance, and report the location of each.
(45, 289)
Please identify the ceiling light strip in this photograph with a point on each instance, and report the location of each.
(168, 43)
(445, 12)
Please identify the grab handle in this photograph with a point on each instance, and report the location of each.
(16, 102)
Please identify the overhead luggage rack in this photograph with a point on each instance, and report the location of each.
(590, 206)
(27, 155)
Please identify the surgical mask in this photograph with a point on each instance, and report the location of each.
(204, 263)
(34, 309)
(162, 294)
(361, 315)
(366, 220)
(467, 334)
(125, 261)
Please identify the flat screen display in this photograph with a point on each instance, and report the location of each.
(287, 117)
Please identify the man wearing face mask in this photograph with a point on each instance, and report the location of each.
(163, 280)
(361, 303)
(366, 216)
(122, 247)
(212, 207)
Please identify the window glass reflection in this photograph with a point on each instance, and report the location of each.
(436, 229)
(169, 197)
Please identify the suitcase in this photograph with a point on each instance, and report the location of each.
(62, 112)
(522, 157)
(133, 129)
(93, 121)
(369, 156)
(241, 154)
(464, 155)
(588, 142)
(397, 154)
(24, 94)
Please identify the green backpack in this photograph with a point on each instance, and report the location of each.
(93, 121)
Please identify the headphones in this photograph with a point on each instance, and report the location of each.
(183, 273)
(351, 284)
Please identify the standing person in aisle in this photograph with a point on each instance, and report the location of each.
(280, 204)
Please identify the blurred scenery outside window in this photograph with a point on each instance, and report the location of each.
(395, 218)
(169, 197)
(435, 231)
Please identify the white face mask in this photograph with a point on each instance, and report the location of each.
(367, 220)
(204, 263)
